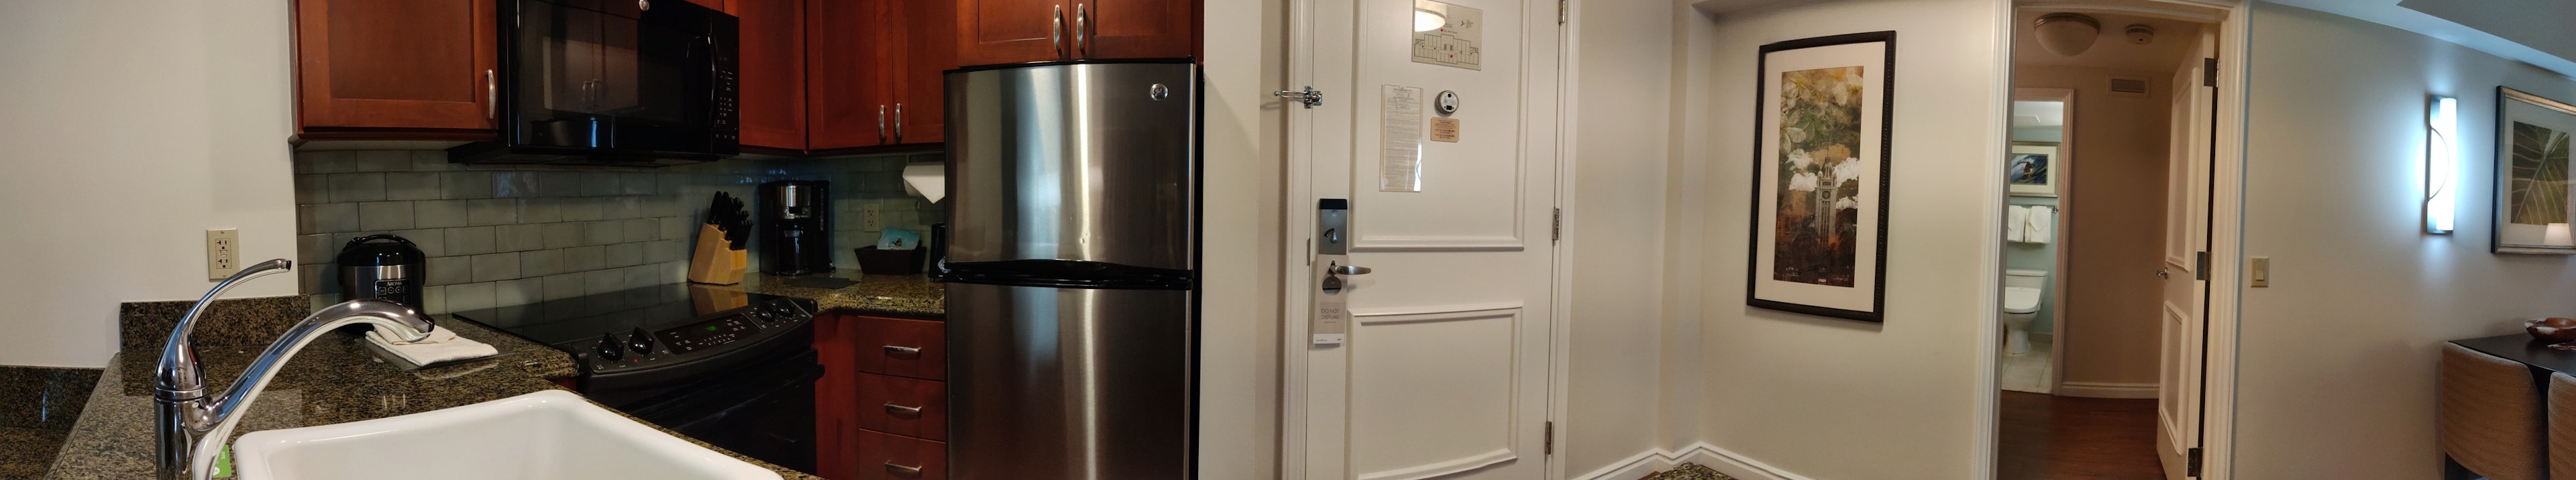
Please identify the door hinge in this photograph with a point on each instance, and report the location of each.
(1550, 442)
(1560, 12)
(1556, 226)
(2191, 463)
(2200, 268)
(2208, 72)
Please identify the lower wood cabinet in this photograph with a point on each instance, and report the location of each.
(881, 409)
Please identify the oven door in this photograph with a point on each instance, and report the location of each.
(763, 410)
(613, 77)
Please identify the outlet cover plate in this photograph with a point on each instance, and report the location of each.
(871, 217)
(223, 253)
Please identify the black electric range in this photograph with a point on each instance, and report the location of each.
(725, 367)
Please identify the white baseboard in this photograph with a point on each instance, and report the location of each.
(2106, 390)
(1726, 462)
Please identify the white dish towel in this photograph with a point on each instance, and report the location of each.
(2016, 222)
(442, 346)
(2042, 227)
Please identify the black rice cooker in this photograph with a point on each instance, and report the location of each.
(386, 267)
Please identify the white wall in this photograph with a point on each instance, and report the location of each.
(1622, 96)
(1827, 398)
(2336, 374)
(1239, 287)
(129, 128)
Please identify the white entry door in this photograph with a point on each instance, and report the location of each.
(2186, 291)
(1445, 369)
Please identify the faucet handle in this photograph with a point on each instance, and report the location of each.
(178, 376)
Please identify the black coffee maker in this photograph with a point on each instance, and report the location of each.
(796, 227)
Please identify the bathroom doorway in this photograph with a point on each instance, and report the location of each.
(2110, 138)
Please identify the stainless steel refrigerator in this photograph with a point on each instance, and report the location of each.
(1071, 262)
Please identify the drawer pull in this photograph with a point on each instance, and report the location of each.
(903, 351)
(905, 470)
(903, 410)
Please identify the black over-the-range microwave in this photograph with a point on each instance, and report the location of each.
(612, 82)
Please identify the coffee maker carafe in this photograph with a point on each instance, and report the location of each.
(796, 227)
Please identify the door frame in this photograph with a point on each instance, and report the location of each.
(2226, 232)
(2066, 186)
(1297, 213)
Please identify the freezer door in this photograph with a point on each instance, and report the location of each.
(1091, 162)
(1068, 383)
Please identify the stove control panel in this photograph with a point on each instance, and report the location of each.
(705, 336)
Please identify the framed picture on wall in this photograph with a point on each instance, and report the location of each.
(2531, 174)
(2033, 169)
(1820, 170)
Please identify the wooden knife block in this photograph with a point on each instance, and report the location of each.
(715, 262)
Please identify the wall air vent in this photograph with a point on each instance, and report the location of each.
(2128, 86)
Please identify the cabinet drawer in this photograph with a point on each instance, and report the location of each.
(903, 348)
(903, 406)
(890, 457)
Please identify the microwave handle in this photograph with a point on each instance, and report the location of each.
(491, 96)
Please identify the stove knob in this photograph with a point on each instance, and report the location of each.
(640, 342)
(608, 348)
(764, 315)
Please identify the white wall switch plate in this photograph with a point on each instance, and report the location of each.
(223, 253)
(871, 218)
(2260, 269)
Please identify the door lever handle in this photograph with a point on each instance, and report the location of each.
(2164, 273)
(1350, 270)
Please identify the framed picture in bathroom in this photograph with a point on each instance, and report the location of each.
(2531, 194)
(1820, 176)
(2033, 169)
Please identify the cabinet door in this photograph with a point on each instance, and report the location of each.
(1135, 28)
(848, 107)
(1012, 31)
(929, 39)
(772, 44)
(836, 399)
(412, 64)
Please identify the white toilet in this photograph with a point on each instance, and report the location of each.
(2022, 296)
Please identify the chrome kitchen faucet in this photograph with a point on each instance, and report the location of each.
(193, 426)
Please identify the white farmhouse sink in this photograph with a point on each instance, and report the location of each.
(545, 435)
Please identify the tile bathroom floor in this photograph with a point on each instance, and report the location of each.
(2028, 372)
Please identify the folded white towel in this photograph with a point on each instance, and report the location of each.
(2015, 217)
(2043, 225)
(442, 346)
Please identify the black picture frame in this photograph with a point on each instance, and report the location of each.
(1754, 274)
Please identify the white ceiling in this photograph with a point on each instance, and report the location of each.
(2030, 113)
(2498, 27)
(2111, 51)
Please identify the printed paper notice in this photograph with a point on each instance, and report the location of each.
(1455, 42)
(1400, 169)
(1444, 130)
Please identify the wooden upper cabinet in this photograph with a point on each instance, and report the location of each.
(772, 52)
(371, 64)
(1135, 28)
(845, 78)
(920, 78)
(1012, 31)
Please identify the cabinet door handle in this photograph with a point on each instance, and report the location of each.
(1056, 33)
(491, 95)
(1082, 29)
(881, 132)
(903, 410)
(908, 471)
(902, 351)
(898, 123)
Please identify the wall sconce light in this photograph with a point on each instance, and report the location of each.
(2441, 165)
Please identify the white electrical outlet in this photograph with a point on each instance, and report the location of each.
(870, 218)
(223, 253)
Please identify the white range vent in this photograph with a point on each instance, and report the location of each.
(2128, 86)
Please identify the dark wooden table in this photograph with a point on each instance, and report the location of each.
(2530, 351)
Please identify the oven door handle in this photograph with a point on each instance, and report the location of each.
(903, 351)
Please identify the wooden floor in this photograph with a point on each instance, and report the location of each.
(2052, 437)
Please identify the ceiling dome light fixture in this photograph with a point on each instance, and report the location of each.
(1426, 20)
(2066, 34)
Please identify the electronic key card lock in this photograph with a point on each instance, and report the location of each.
(1332, 322)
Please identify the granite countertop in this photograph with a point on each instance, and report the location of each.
(913, 296)
(333, 380)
